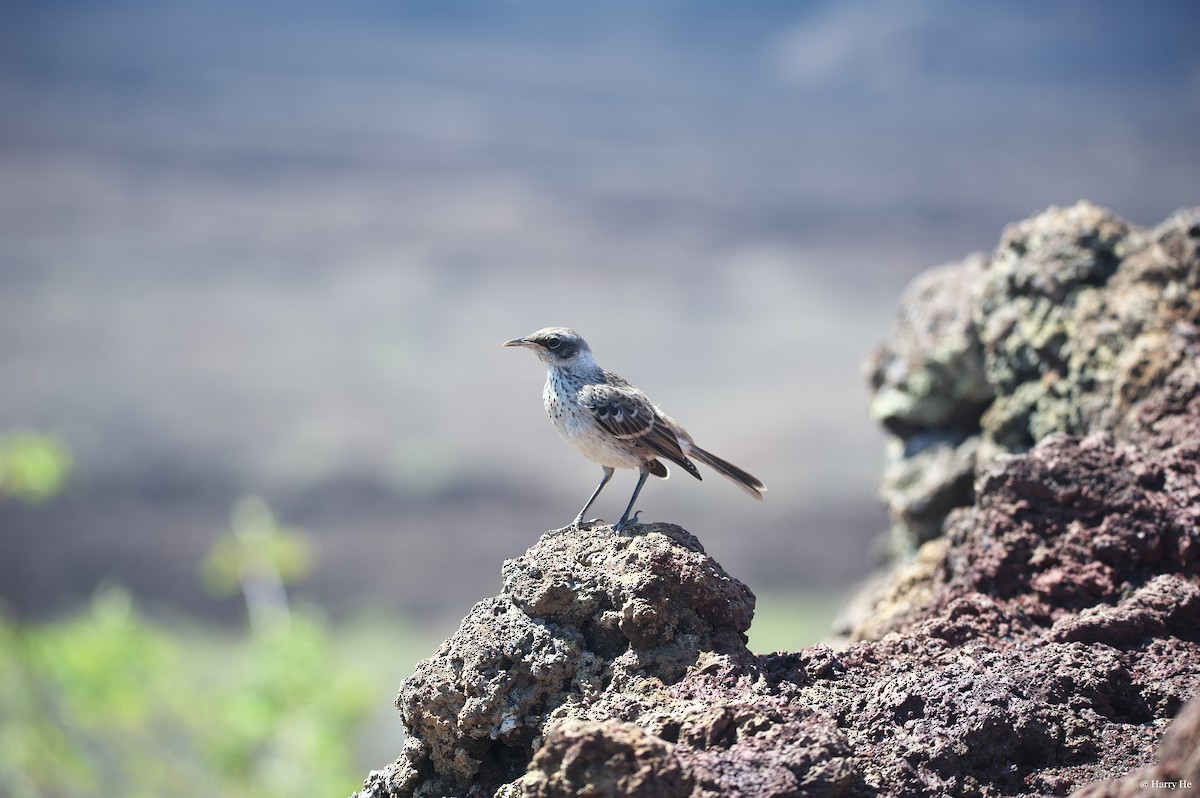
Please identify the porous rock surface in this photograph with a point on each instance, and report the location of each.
(1076, 320)
(1041, 644)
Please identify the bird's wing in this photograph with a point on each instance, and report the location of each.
(625, 412)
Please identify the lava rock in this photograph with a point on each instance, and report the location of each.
(1075, 319)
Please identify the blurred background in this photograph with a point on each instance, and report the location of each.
(256, 263)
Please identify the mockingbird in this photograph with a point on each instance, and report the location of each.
(611, 422)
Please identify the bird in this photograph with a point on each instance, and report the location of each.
(612, 423)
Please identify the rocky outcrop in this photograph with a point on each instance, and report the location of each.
(1076, 320)
(1045, 405)
(579, 657)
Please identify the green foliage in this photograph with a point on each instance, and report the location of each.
(289, 717)
(258, 556)
(110, 704)
(256, 542)
(113, 705)
(32, 467)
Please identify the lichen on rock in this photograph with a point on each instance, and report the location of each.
(1076, 318)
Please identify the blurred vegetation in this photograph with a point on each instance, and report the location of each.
(109, 703)
(789, 621)
(258, 557)
(112, 703)
(33, 467)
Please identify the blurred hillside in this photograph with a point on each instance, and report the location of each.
(274, 250)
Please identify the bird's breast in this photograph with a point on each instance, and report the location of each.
(578, 426)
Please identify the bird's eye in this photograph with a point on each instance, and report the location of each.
(552, 342)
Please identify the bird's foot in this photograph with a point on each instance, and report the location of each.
(625, 523)
(576, 525)
(571, 527)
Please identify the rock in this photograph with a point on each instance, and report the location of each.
(590, 623)
(1177, 771)
(1075, 524)
(1076, 318)
(1059, 635)
(930, 376)
(606, 759)
(934, 474)
(479, 703)
(1166, 605)
(896, 597)
(1043, 638)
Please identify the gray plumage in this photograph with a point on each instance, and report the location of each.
(612, 423)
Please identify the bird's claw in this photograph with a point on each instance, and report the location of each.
(577, 525)
(626, 522)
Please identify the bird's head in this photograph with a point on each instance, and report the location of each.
(556, 346)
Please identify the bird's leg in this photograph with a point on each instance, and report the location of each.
(645, 472)
(608, 472)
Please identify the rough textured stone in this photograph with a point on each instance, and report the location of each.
(607, 759)
(1059, 635)
(1046, 409)
(1076, 318)
(477, 705)
(1176, 773)
(591, 624)
(931, 375)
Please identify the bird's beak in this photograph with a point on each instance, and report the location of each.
(517, 342)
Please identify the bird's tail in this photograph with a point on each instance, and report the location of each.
(744, 480)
